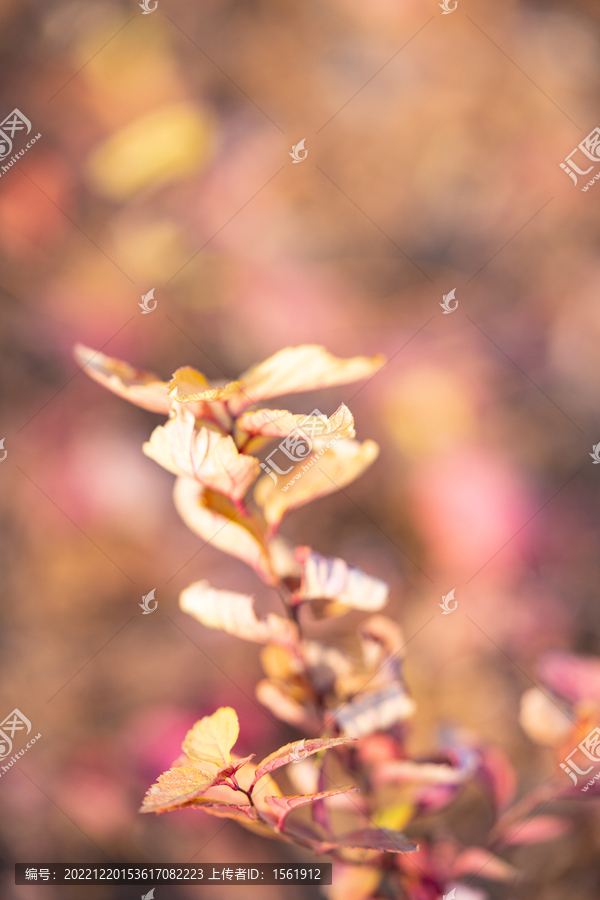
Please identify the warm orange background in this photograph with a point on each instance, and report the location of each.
(434, 145)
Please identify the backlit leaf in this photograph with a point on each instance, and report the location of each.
(282, 705)
(304, 368)
(324, 472)
(176, 787)
(282, 806)
(142, 388)
(326, 578)
(201, 453)
(216, 520)
(234, 613)
(188, 384)
(211, 739)
(376, 711)
(295, 751)
(383, 839)
(279, 423)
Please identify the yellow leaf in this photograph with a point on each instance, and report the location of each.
(394, 817)
(142, 388)
(187, 384)
(353, 882)
(175, 787)
(167, 144)
(201, 453)
(211, 739)
(213, 518)
(322, 474)
(234, 613)
(280, 423)
(304, 368)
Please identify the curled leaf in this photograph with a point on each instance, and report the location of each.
(304, 368)
(324, 578)
(188, 385)
(279, 423)
(282, 806)
(139, 387)
(211, 739)
(176, 787)
(376, 711)
(201, 453)
(293, 752)
(234, 613)
(213, 518)
(324, 472)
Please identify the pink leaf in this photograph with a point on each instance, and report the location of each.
(477, 861)
(537, 830)
(281, 806)
(291, 753)
(383, 839)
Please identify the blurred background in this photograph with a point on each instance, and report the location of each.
(434, 145)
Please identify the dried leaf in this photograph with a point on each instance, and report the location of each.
(382, 839)
(305, 368)
(292, 752)
(537, 830)
(234, 613)
(477, 861)
(211, 739)
(188, 384)
(279, 423)
(201, 453)
(325, 578)
(282, 806)
(376, 711)
(142, 388)
(213, 518)
(176, 787)
(325, 472)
